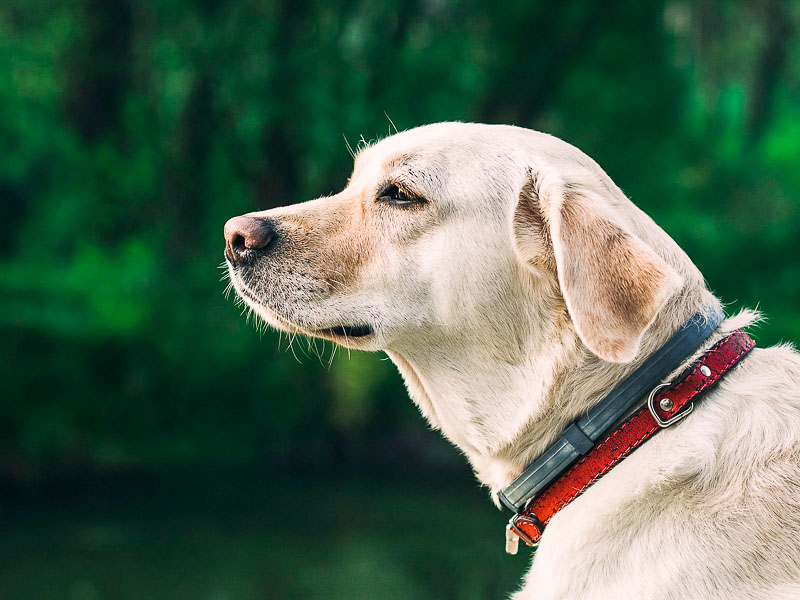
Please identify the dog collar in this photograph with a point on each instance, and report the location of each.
(581, 435)
(550, 483)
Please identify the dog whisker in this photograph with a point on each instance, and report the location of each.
(349, 147)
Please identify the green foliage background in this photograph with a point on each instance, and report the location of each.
(131, 130)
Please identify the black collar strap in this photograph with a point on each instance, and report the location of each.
(582, 434)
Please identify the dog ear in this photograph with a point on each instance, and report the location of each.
(612, 282)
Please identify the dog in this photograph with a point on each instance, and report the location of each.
(513, 285)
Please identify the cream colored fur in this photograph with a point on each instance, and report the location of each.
(513, 300)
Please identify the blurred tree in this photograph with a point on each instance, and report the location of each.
(98, 68)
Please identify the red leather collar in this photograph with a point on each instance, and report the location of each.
(667, 404)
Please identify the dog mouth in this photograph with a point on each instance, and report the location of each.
(341, 332)
(346, 331)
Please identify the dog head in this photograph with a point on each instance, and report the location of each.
(452, 234)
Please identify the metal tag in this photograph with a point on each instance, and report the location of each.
(512, 541)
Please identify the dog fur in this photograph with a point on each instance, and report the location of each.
(512, 295)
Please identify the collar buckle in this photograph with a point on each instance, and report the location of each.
(664, 423)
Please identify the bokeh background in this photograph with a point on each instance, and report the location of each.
(153, 444)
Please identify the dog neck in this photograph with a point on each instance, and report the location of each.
(503, 406)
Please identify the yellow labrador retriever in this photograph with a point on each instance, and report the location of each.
(513, 284)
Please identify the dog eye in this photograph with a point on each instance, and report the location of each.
(398, 196)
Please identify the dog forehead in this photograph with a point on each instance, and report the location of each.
(456, 140)
(444, 155)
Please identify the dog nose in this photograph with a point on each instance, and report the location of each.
(247, 233)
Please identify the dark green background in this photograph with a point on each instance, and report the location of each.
(132, 391)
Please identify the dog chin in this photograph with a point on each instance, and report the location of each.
(357, 337)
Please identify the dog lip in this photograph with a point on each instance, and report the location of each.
(338, 331)
(347, 331)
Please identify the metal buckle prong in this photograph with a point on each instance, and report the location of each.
(677, 417)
